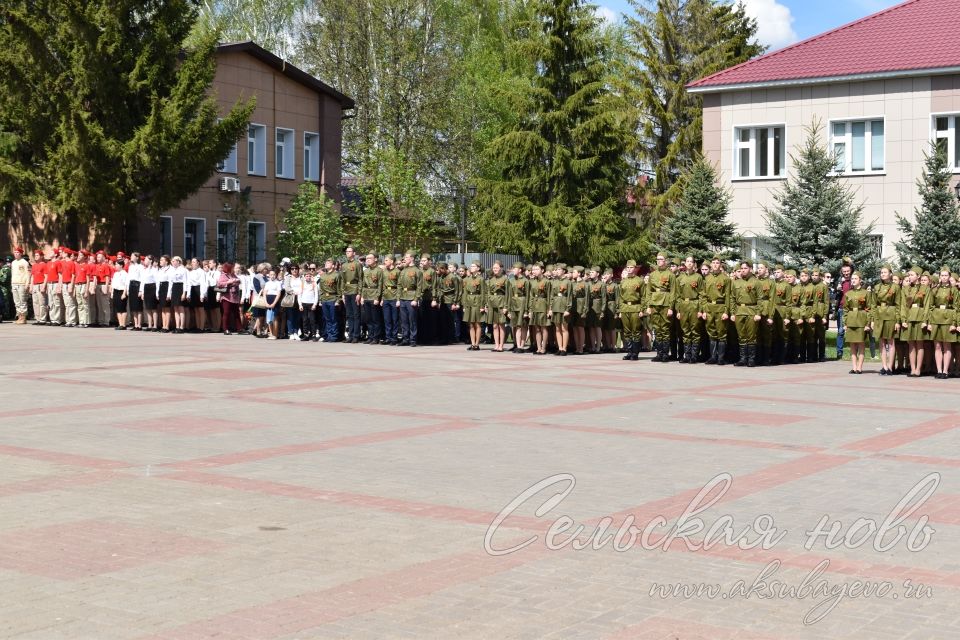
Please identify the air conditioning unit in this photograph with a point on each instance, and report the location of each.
(229, 184)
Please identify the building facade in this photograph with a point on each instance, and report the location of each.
(883, 88)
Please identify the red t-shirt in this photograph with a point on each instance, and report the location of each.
(38, 271)
(53, 271)
(67, 270)
(80, 272)
(104, 272)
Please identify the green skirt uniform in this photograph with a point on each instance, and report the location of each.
(941, 333)
(496, 300)
(471, 308)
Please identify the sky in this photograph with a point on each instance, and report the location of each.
(783, 22)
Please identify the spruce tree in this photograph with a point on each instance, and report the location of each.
(559, 174)
(107, 117)
(674, 43)
(698, 224)
(932, 239)
(814, 220)
(312, 229)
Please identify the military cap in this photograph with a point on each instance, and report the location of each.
(778, 266)
(518, 265)
(631, 263)
(917, 270)
(746, 262)
(609, 272)
(955, 276)
(426, 256)
(675, 261)
(661, 254)
(579, 269)
(716, 256)
(944, 268)
(595, 268)
(763, 263)
(452, 265)
(816, 271)
(560, 266)
(857, 273)
(925, 273)
(476, 263)
(791, 272)
(805, 270)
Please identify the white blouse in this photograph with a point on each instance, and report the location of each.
(177, 275)
(134, 272)
(213, 277)
(272, 287)
(308, 294)
(197, 278)
(119, 280)
(163, 274)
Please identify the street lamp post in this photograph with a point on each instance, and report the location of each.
(465, 197)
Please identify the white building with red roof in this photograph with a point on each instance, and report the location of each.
(883, 88)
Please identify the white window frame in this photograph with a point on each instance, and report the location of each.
(847, 141)
(168, 241)
(261, 252)
(876, 239)
(751, 145)
(311, 165)
(257, 161)
(236, 235)
(202, 244)
(953, 129)
(286, 151)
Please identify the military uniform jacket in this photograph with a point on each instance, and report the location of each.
(474, 292)
(662, 289)
(330, 286)
(766, 296)
(496, 292)
(746, 296)
(518, 295)
(821, 299)
(596, 293)
(781, 299)
(539, 298)
(611, 297)
(448, 289)
(942, 309)
(887, 302)
(807, 296)
(429, 283)
(352, 273)
(857, 308)
(718, 291)
(409, 284)
(796, 302)
(690, 291)
(391, 281)
(561, 300)
(631, 295)
(580, 301)
(372, 288)
(913, 303)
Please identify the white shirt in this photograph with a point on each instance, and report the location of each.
(148, 275)
(134, 272)
(213, 277)
(197, 278)
(163, 274)
(273, 287)
(119, 280)
(246, 287)
(308, 293)
(177, 274)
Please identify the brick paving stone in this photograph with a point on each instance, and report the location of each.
(204, 486)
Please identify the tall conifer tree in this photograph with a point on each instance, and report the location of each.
(932, 238)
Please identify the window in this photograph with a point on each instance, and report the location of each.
(229, 164)
(760, 152)
(166, 235)
(194, 238)
(877, 241)
(257, 150)
(754, 248)
(226, 241)
(858, 146)
(256, 242)
(284, 153)
(945, 135)
(311, 157)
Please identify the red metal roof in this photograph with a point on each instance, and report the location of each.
(911, 36)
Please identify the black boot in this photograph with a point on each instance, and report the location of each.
(721, 352)
(812, 355)
(752, 355)
(744, 356)
(635, 353)
(713, 353)
(656, 349)
(628, 347)
(692, 354)
(761, 356)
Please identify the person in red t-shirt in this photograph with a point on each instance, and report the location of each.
(68, 273)
(38, 288)
(103, 272)
(54, 300)
(80, 289)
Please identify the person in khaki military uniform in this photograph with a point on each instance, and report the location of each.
(409, 292)
(765, 328)
(807, 343)
(677, 268)
(351, 272)
(518, 306)
(746, 314)
(561, 304)
(371, 300)
(690, 291)
(539, 310)
(630, 309)
(388, 296)
(447, 291)
(495, 304)
(913, 302)
(886, 318)
(793, 321)
(611, 296)
(427, 312)
(941, 322)
(596, 293)
(857, 319)
(474, 300)
(579, 306)
(779, 318)
(821, 315)
(717, 309)
(661, 293)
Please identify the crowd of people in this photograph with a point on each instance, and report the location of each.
(748, 314)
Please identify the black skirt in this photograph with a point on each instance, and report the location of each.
(211, 302)
(162, 301)
(194, 301)
(176, 294)
(150, 297)
(119, 303)
(134, 302)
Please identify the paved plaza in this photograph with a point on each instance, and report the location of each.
(205, 486)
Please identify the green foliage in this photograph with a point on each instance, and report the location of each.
(113, 120)
(266, 22)
(312, 229)
(674, 43)
(815, 221)
(932, 239)
(395, 212)
(698, 225)
(559, 180)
